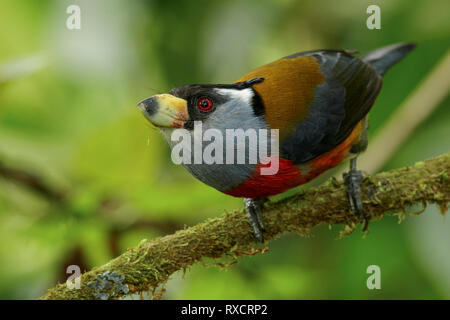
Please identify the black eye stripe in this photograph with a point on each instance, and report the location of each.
(193, 93)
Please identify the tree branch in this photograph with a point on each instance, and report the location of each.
(32, 182)
(151, 263)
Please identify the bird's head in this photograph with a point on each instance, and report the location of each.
(220, 106)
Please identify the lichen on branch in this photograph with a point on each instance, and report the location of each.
(151, 263)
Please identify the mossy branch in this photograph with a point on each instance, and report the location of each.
(151, 263)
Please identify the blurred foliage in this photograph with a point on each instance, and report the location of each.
(67, 114)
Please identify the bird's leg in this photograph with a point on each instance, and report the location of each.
(254, 207)
(353, 180)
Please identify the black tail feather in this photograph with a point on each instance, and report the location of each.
(382, 59)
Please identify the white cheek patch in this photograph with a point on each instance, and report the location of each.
(245, 95)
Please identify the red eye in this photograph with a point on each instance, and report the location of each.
(205, 104)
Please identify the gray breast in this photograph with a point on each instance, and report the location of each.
(223, 175)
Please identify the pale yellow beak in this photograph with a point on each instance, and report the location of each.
(165, 110)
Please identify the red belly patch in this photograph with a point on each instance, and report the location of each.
(262, 186)
(289, 175)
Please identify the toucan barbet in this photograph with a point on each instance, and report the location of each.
(318, 100)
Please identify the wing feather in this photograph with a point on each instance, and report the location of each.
(344, 99)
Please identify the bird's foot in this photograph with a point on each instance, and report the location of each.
(353, 180)
(253, 208)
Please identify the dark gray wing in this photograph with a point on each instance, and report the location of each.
(343, 100)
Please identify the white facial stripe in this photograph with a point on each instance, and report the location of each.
(245, 95)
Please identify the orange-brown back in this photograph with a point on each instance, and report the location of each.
(287, 91)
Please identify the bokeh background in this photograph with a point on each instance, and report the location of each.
(83, 176)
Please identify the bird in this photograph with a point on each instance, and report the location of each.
(317, 101)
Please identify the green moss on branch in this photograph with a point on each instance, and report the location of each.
(151, 263)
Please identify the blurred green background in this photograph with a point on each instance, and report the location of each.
(68, 116)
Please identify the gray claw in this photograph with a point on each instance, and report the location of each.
(253, 208)
(353, 180)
